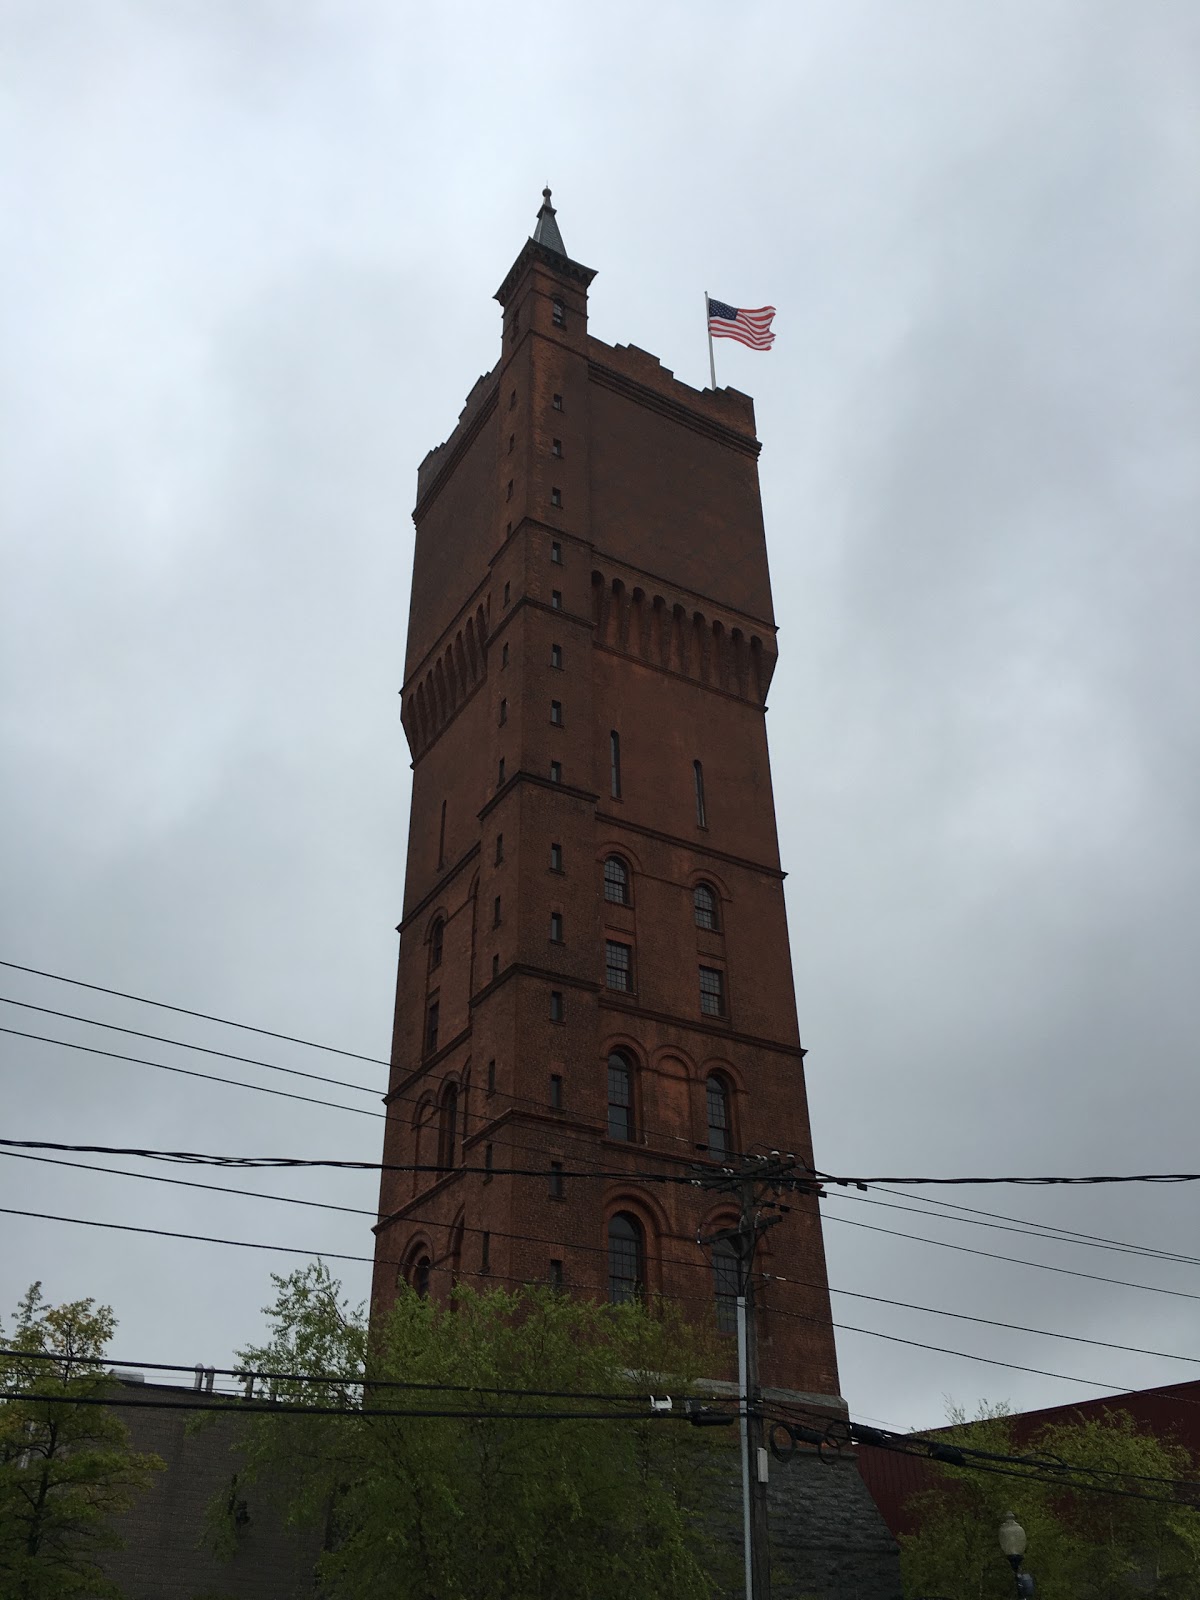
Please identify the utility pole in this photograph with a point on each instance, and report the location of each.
(752, 1180)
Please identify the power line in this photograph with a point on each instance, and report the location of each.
(1027, 1182)
(393, 1097)
(187, 1183)
(776, 1310)
(183, 1044)
(203, 1016)
(968, 1355)
(255, 1194)
(1020, 1261)
(333, 1379)
(989, 1322)
(270, 1163)
(1027, 1229)
(417, 1221)
(276, 1409)
(191, 1072)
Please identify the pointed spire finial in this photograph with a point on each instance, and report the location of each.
(546, 231)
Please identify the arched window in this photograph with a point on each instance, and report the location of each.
(616, 881)
(620, 1097)
(626, 1259)
(448, 1127)
(701, 810)
(704, 899)
(726, 1281)
(436, 938)
(421, 1269)
(416, 1270)
(716, 1094)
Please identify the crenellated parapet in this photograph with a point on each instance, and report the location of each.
(686, 635)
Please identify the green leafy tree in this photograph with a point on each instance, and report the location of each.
(431, 1508)
(65, 1470)
(1082, 1543)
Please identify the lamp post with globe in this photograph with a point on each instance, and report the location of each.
(1012, 1542)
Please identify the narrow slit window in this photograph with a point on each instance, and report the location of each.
(507, 592)
(558, 313)
(442, 838)
(503, 712)
(485, 1253)
(556, 858)
(556, 1274)
(556, 447)
(556, 927)
(499, 848)
(556, 1180)
(491, 1076)
(556, 553)
(557, 402)
(436, 940)
(701, 809)
(614, 762)
(496, 912)
(556, 657)
(431, 1028)
(487, 1163)
(495, 966)
(556, 713)
(556, 1005)
(556, 497)
(556, 1092)
(500, 773)
(556, 772)
(504, 655)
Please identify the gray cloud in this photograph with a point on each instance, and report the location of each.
(250, 258)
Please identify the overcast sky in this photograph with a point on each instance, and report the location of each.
(249, 253)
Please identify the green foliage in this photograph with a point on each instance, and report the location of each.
(471, 1509)
(1087, 1545)
(64, 1470)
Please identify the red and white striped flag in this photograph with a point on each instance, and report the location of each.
(751, 328)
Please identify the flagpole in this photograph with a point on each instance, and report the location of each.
(712, 366)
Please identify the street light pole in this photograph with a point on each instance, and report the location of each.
(1012, 1543)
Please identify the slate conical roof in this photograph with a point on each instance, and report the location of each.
(547, 231)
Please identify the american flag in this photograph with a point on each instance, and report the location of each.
(747, 327)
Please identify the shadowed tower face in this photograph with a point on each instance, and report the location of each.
(594, 969)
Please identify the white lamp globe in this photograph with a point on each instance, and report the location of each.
(1012, 1536)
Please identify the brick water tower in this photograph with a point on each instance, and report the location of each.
(594, 968)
